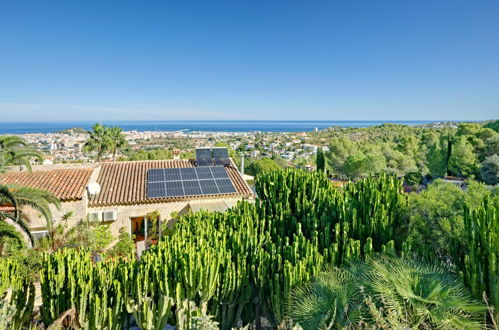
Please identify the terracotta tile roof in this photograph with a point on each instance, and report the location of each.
(124, 183)
(66, 184)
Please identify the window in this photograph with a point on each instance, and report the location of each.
(39, 234)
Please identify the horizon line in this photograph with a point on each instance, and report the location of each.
(250, 120)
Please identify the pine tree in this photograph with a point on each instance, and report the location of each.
(320, 161)
(436, 158)
(463, 159)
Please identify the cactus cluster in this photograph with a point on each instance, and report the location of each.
(17, 294)
(241, 265)
(97, 291)
(237, 266)
(481, 264)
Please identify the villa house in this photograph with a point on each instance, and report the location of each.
(122, 193)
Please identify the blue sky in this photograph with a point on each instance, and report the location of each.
(293, 60)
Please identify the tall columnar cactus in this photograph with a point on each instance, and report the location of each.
(236, 265)
(70, 280)
(481, 264)
(18, 309)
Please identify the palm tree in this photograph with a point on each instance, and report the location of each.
(16, 197)
(16, 151)
(423, 294)
(98, 141)
(331, 301)
(393, 293)
(117, 140)
(66, 216)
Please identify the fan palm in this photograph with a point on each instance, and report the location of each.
(98, 142)
(425, 295)
(331, 301)
(16, 151)
(117, 140)
(17, 197)
(405, 292)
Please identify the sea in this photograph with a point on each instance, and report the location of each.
(195, 126)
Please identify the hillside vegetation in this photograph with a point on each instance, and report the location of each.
(470, 150)
(245, 266)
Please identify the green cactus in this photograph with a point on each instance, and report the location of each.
(481, 264)
(236, 265)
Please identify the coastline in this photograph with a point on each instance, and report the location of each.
(21, 128)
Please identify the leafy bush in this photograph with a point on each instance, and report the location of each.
(490, 170)
(413, 178)
(125, 246)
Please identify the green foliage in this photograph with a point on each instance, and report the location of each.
(117, 140)
(481, 267)
(422, 295)
(398, 292)
(125, 246)
(103, 140)
(435, 219)
(262, 165)
(437, 160)
(320, 161)
(157, 154)
(332, 300)
(243, 265)
(98, 142)
(463, 160)
(11, 240)
(435, 222)
(16, 310)
(97, 291)
(37, 199)
(493, 125)
(87, 235)
(102, 238)
(339, 151)
(490, 170)
(16, 151)
(154, 218)
(413, 178)
(399, 150)
(234, 265)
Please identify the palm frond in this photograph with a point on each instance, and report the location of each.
(428, 295)
(21, 222)
(331, 300)
(38, 199)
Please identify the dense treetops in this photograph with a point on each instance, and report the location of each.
(467, 151)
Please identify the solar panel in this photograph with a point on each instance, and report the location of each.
(192, 188)
(156, 189)
(191, 181)
(155, 175)
(188, 173)
(221, 156)
(209, 187)
(174, 189)
(219, 172)
(204, 173)
(172, 174)
(225, 186)
(204, 157)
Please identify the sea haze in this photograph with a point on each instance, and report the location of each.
(203, 126)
